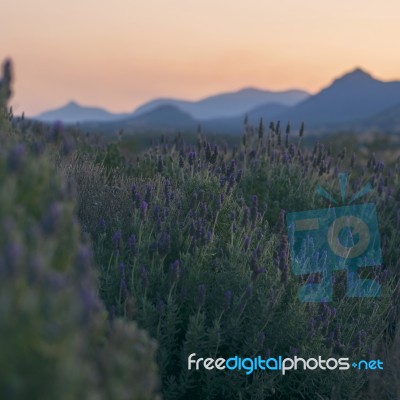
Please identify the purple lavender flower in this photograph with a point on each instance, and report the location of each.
(239, 176)
(261, 339)
(245, 219)
(14, 254)
(161, 306)
(84, 258)
(293, 351)
(132, 244)
(15, 157)
(254, 209)
(174, 271)
(122, 282)
(231, 168)
(163, 243)
(249, 290)
(201, 295)
(136, 197)
(57, 132)
(53, 218)
(149, 193)
(143, 210)
(102, 224)
(246, 243)
(191, 157)
(256, 273)
(68, 145)
(160, 165)
(116, 239)
(227, 299)
(144, 276)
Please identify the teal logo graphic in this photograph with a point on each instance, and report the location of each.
(345, 237)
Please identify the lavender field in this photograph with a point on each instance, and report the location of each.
(119, 260)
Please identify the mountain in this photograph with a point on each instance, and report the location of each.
(217, 106)
(352, 97)
(387, 120)
(231, 104)
(164, 117)
(73, 112)
(234, 125)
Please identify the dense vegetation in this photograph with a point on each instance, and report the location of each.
(109, 248)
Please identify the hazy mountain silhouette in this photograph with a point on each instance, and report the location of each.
(355, 100)
(354, 96)
(234, 125)
(73, 112)
(220, 105)
(387, 120)
(166, 117)
(231, 104)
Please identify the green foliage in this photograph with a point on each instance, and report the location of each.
(56, 340)
(197, 242)
(5, 94)
(190, 248)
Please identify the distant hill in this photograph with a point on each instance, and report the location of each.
(234, 125)
(354, 96)
(218, 106)
(355, 101)
(228, 104)
(387, 120)
(73, 112)
(164, 117)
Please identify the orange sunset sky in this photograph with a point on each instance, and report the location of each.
(120, 54)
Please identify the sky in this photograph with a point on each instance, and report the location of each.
(119, 54)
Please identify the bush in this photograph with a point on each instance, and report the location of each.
(56, 340)
(195, 237)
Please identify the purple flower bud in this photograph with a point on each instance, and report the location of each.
(160, 164)
(293, 351)
(249, 290)
(245, 219)
(14, 254)
(227, 299)
(148, 195)
(116, 239)
(261, 339)
(143, 210)
(144, 276)
(15, 157)
(136, 196)
(201, 295)
(231, 168)
(246, 243)
(84, 259)
(257, 272)
(58, 130)
(132, 244)
(253, 209)
(153, 247)
(192, 157)
(161, 306)
(102, 224)
(174, 270)
(239, 176)
(52, 219)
